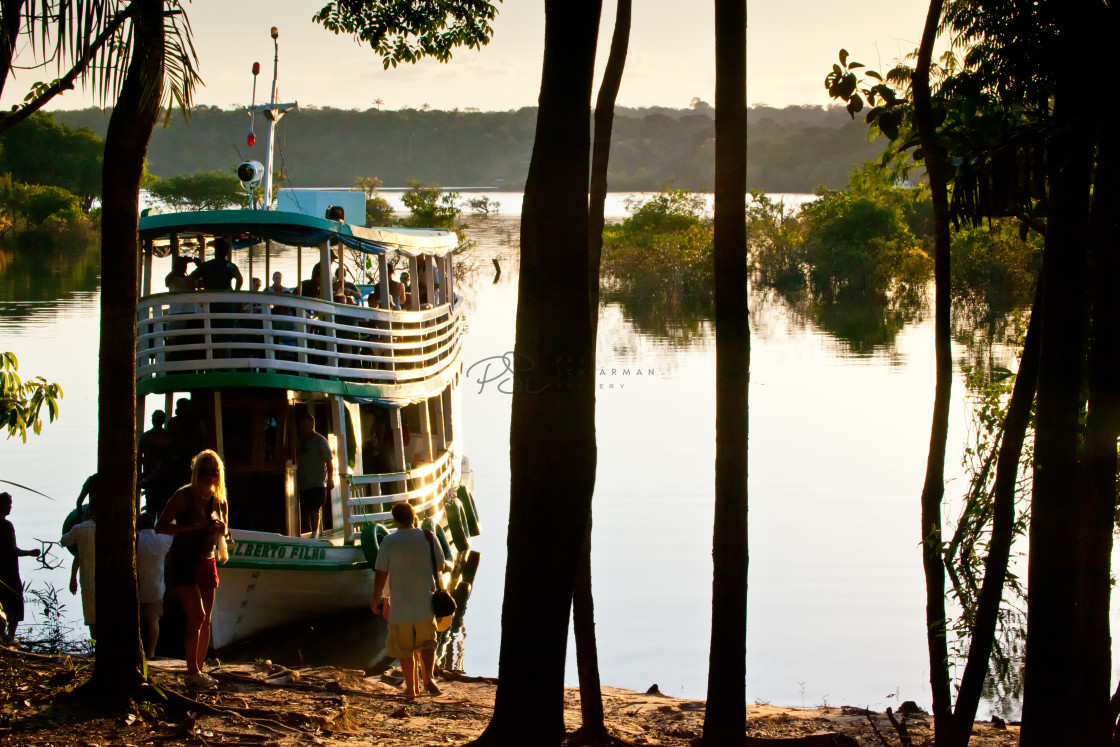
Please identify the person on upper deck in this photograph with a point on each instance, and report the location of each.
(278, 284)
(218, 273)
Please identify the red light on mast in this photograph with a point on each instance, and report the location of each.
(252, 140)
(256, 68)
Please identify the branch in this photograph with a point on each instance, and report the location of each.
(900, 727)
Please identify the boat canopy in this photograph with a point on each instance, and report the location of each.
(250, 227)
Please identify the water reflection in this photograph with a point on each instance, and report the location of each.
(45, 271)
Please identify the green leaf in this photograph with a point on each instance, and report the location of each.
(854, 65)
(843, 56)
(873, 74)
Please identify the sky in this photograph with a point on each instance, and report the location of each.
(791, 45)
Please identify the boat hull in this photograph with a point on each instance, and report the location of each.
(271, 580)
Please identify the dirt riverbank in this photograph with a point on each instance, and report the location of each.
(265, 705)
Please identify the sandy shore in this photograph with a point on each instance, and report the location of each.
(262, 704)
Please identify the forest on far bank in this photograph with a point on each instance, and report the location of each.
(793, 149)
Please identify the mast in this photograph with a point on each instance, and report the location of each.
(273, 112)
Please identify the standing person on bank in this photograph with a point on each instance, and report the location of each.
(196, 518)
(314, 473)
(11, 586)
(406, 561)
(151, 557)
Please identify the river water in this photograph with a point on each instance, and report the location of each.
(839, 435)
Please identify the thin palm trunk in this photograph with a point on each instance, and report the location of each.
(594, 729)
(725, 717)
(119, 661)
(933, 489)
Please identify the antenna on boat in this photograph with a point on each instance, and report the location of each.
(273, 112)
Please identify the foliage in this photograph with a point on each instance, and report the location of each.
(409, 30)
(21, 402)
(965, 554)
(663, 250)
(996, 263)
(42, 151)
(204, 190)
(41, 215)
(483, 205)
(859, 243)
(378, 210)
(92, 41)
(774, 243)
(430, 207)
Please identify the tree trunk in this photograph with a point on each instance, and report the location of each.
(1003, 525)
(552, 429)
(583, 602)
(933, 489)
(725, 717)
(118, 665)
(601, 147)
(1053, 709)
(1101, 430)
(12, 11)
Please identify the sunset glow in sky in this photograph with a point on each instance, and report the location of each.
(791, 46)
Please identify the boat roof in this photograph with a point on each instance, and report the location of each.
(250, 227)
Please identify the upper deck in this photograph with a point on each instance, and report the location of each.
(220, 339)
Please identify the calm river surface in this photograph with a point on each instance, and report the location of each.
(837, 457)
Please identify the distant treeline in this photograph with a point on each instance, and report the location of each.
(789, 150)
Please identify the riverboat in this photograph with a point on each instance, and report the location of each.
(380, 377)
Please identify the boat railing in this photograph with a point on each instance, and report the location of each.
(278, 333)
(372, 496)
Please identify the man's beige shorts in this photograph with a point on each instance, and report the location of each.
(407, 638)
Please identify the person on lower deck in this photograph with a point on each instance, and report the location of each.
(153, 450)
(196, 519)
(11, 586)
(314, 473)
(406, 561)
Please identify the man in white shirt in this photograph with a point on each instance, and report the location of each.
(81, 537)
(151, 554)
(407, 560)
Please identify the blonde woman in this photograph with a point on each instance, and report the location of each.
(195, 517)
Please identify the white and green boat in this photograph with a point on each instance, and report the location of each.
(382, 383)
(381, 379)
